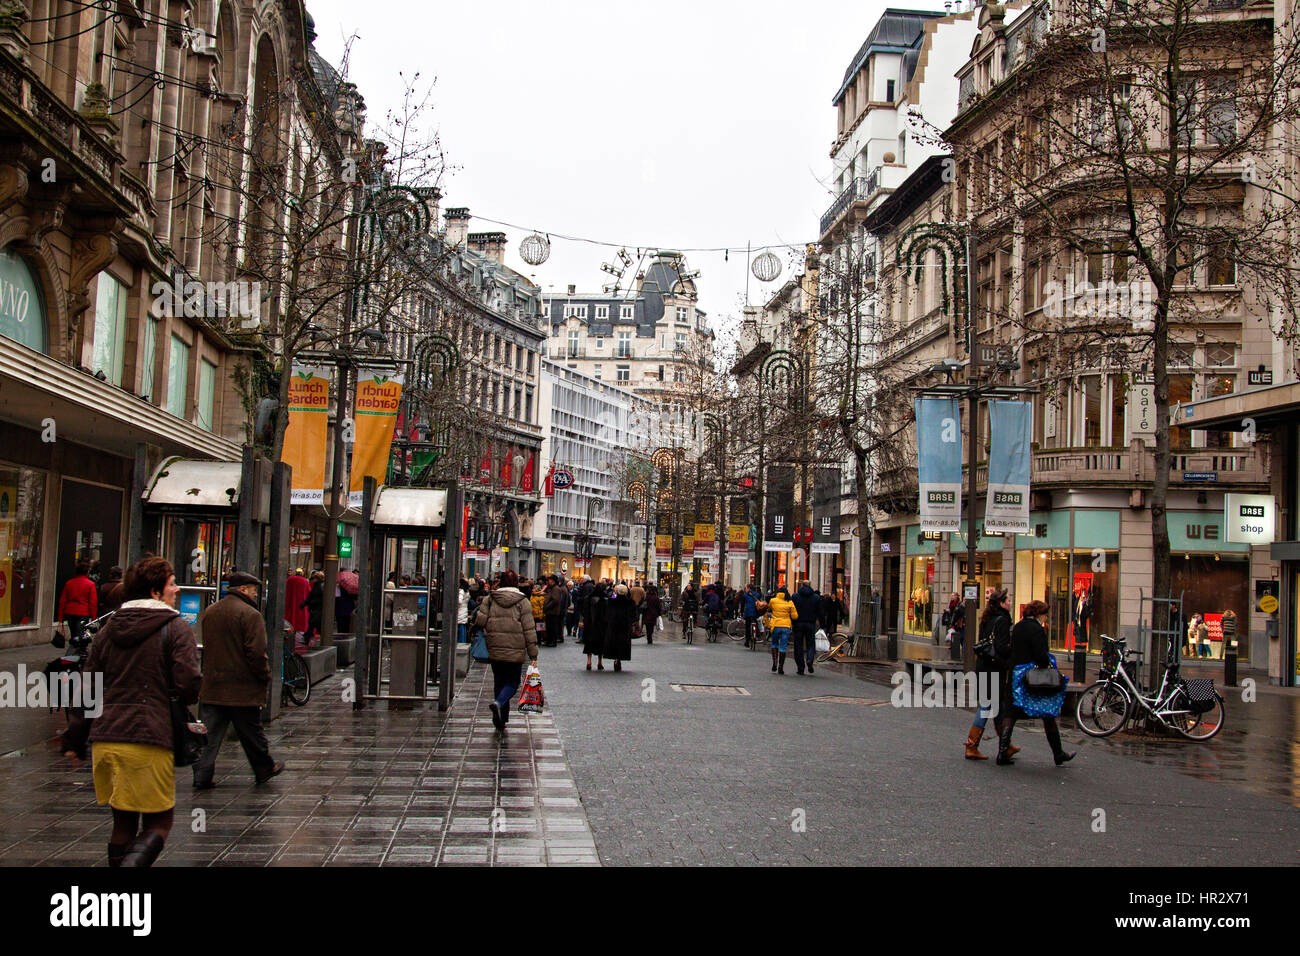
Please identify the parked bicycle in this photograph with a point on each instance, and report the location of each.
(295, 681)
(1192, 708)
(845, 648)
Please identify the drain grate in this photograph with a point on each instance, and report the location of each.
(834, 699)
(730, 689)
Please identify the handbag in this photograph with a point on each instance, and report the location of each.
(189, 735)
(823, 642)
(1044, 681)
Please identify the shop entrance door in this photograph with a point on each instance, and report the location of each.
(889, 600)
(90, 529)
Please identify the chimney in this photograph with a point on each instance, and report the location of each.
(573, 290)
(457, 225)
(490, 245)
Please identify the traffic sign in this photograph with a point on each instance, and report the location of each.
(562, 479)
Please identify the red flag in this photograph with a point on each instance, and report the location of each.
(485, 467)
(549, 484)
(505, 468)
(526, 482)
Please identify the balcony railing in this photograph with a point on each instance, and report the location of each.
(859, 190)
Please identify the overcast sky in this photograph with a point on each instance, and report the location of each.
(672, 125)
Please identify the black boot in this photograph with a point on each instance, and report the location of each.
(115, 853)
(1004, 741)
(1059, 756)
(144, 850)
(781, 668)
(774, 653)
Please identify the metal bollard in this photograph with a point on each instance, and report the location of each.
(892, 645)
(1080, 664)
(1230, 665)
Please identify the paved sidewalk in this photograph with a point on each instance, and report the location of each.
(392, 787)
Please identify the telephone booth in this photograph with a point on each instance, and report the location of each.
(405, 567)
(192, 513)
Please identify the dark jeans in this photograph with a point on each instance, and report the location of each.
(76, 624)
(1049, 728)
(554, 628)
(506, 678)
(805, 646)
(751, 629)
(248, 726)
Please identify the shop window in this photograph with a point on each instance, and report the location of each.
(1212, 584)
(22, 308)
(178, 377)
(22, 505)
(149, 358)
(207, 394)
(110, 328)
(920, 597)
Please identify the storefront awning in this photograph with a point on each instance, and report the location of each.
(411, 507)
(195, 484)
(1266, 405)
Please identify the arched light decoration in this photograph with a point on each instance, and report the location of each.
(535, 249)
(766, 267)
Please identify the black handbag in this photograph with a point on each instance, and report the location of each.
(189, 736)
(1043, 681)
(58, 640)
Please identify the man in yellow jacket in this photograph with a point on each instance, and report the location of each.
(781, 615)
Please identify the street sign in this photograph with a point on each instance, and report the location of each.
(562, 479)
(1200, 476)
(991, 354)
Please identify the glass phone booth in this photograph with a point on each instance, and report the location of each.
(408, 557)
(191, 512)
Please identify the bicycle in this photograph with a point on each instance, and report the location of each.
(712, 626)
(1194, 709)
(837, 653)
(295, 682)
(688, 627)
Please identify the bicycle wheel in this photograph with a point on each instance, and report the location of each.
(1102, 709)
(297, 683)
(1196, 726)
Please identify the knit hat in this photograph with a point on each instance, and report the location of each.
(620, 590)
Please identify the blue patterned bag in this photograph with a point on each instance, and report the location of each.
(1031, 705)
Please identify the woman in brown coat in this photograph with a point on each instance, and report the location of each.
(506, 617)
(146, 653)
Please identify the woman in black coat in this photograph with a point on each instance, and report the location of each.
(992, 670)
(593, 626)
(620, 613)
(1029, 646)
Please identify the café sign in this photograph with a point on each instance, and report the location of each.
(22, 310)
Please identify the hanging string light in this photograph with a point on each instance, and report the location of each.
(535, 249)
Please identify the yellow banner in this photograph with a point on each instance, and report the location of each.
(305, 438)
(704, 538)
(738, 539)
(375, 410)
(663, 545)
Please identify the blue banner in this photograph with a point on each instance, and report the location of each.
(938, 449)
(1011, 427)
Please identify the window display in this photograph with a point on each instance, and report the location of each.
(920, 596)
(22, 502)
(1213, 586)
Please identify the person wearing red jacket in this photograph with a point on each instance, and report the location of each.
(79, 601)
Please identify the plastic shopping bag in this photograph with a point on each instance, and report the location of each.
(660, 623)
(823, 642)
(531, 696)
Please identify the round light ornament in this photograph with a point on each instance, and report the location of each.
(766, 267)
(535, 249)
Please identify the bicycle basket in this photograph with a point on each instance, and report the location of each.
(1109, 661)
(1200, 695)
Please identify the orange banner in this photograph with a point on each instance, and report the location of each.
(308, 431)
(375, 411)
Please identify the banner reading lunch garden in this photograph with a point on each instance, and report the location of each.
(306, 436)
(375, 409)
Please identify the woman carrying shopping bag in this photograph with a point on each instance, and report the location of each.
(1028, 653)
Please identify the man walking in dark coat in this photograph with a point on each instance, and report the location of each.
(808, 603)
(236, 675)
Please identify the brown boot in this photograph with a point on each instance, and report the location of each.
(973, 744)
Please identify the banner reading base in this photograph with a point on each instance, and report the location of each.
(938, 448)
